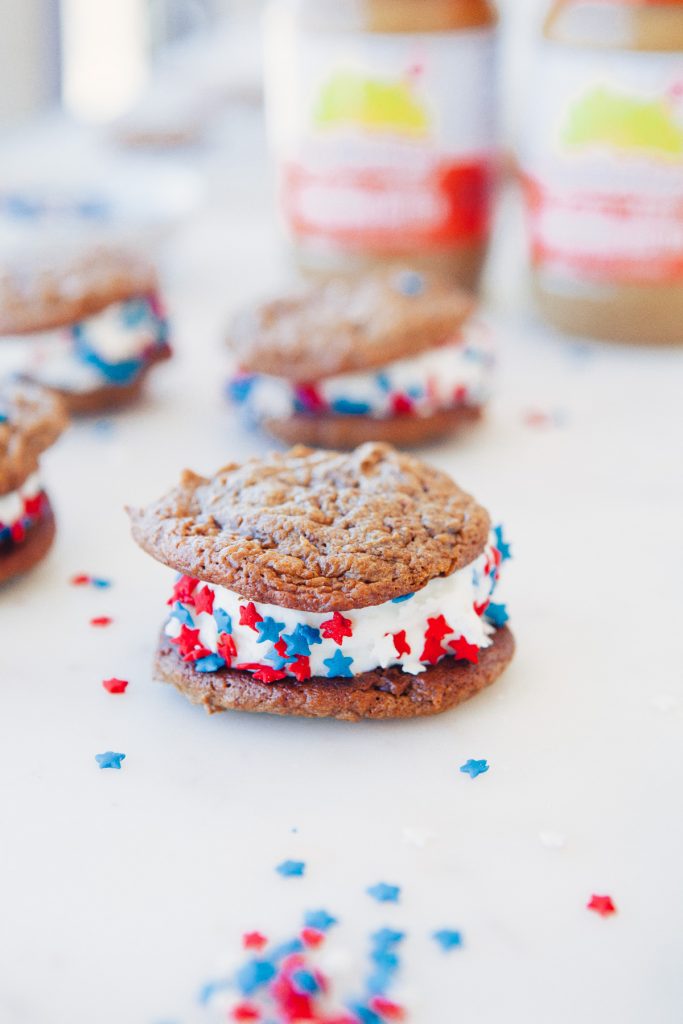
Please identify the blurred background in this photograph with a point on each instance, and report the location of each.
(95, 57)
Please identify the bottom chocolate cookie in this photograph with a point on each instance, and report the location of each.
(18, 559)
(335, 432)
(383, 693)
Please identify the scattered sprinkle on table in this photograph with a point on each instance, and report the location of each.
(110, 759)
(291, 868)
(83, 580)
(602, 905)
(384, 893)
(101, 621)
(319, 919)
(448, 939)
(473, 768)
(254, 940)
(115, 685)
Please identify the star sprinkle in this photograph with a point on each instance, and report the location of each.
(474, 768)
(269, 630)
(254, 940)
(183, 615)
(223, 620)
(115, 685)
(101, 621)
(501, 544)
(384, 893)
(300, 669)
(253, 975)
(209, 663)
(337, 628)
(602, 905)
(183, 590)
(245, 1012)
(263, 673)
(400, 643)
(438, 628)
(319, 920)
(497, 614)
(83, 580)
(249, 616)
(338, 666)
(464, 651)
(401, 405)
(291, 868)
(186, 641)
(226, 648)
(203, 600)
(110, 759)
(387, 1009)
(448, 939)
(297, 643)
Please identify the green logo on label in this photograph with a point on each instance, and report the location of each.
(370, 104)
(609, 119)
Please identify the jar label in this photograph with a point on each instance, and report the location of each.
(383, 141)
(603, 165)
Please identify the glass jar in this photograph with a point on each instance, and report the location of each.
(382, 121)
(604, 170)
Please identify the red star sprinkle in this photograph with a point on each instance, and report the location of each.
(80, 581)
(438, 628)
(464, 651)
(183, 590)
(401, 405)
(203, 600)
(197, 654)
(312, 938)
(301, 668)
(281, 647)
(101, 620)
(18, 533)
(186, 640)
(254, 940)
(33, 506)
(226, 648)
(386, 1008)
(249, 616)
(432, 651)
(602, 905)
(309, 396)
(459, 394)
(263, 673)
(115, 685)
(245, 1012)
(336, 628)
(481, 608)
(401, 644)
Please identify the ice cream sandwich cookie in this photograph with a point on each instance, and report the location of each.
(93, 323)
(30, 421)
(394, 356)
(313, 583)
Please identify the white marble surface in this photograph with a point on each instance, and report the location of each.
(119, 890)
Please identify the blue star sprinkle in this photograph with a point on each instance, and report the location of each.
(383, 382)
(350, 407)
(474, 768)
(309, 633)
(287, 949)
(297, 644)
(100, 584)
(254, 975)
(305, 982)
(275, 659)
(502, 544)
(110, 759)
(211, 663)
(497, 614)
(320, 920)
(384, 893)
(240, 387)
(410, 283)
(182, 614)
(386, 938)
(400, 600)
(448, 939)
(364, 1014)
(338, 665)
(291, 868)
(269, 630)
(223, 620)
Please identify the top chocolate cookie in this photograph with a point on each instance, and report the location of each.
(40, 291)
(348, 325)
(316, 531)
(31, 419)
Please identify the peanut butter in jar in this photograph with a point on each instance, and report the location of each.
(603, 169)
(382, 121)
